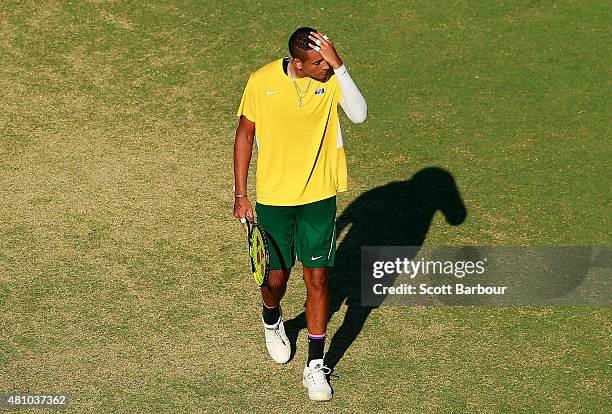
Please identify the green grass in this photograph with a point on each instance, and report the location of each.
(123, 279)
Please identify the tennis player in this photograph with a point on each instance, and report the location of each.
(290, 108)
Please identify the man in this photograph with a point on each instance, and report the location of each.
(290, 107)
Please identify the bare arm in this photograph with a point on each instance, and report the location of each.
(243, 147)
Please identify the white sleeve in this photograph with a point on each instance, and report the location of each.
(353, 104)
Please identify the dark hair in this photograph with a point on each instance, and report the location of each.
(298, 42)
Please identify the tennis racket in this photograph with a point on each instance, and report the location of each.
(258, 252)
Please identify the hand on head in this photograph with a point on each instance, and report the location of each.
(323, 44)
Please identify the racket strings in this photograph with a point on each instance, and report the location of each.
(258, 255)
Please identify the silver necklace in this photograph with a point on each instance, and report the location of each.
(300, 93)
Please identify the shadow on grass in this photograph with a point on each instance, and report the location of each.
(396, 214)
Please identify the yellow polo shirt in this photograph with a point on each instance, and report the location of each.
(300, 155)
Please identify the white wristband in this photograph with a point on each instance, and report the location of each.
(341, 70)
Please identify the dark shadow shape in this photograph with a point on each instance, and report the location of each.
(396, 214)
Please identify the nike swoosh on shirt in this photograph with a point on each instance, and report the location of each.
(271, 92)
(315, 258)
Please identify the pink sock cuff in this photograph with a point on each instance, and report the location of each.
(311, 336)
(269, 307)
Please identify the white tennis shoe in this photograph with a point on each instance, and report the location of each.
(315, 379)
(277, 342)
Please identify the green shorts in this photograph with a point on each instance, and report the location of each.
(307, 231)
